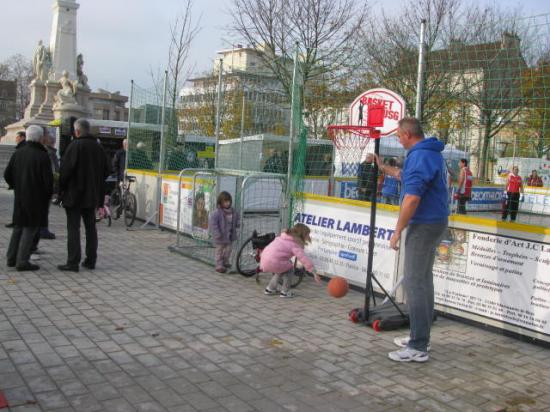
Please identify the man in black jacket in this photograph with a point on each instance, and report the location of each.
(82, 174)
(19, 143)
(119, 161)
(49, 142)
(29, 173)
(367, 179)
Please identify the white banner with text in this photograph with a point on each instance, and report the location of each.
(340, 239)
(498, 277)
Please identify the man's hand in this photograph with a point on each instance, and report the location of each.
(394, 241)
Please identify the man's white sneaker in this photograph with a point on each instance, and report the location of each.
(35, 256)
(403, 342)
(268, 291)
(289, 294)
(408, 355)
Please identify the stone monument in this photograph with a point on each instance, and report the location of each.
(60, 88)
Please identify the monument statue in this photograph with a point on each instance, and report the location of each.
(82, 78)
(41, 62)
(68, 90)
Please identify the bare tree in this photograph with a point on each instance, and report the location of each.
(389, 51)
(19, 68)
(183, 31)
(325, 31)
(474, 59)
(502, 45)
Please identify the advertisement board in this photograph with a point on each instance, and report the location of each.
(498, 277)
(193, 214)
(169, 205)
(340, 238)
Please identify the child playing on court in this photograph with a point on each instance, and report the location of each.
(276, 258)
(223, 224)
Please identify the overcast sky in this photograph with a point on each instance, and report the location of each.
(122, 39)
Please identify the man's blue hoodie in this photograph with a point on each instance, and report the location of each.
(424, 174)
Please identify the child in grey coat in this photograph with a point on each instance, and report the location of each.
(223, 224)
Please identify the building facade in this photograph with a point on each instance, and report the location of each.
(105, 105)
(253, 100)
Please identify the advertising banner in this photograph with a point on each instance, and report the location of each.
(485, 199)
(193, 215)
(340, 238)
(169, 205)
(498, 277)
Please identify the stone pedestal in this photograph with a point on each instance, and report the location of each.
(83, 98)
(46, 109)
(69, 110)
(38, 94)
(12, 129)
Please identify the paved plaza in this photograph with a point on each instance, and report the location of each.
(150, 330)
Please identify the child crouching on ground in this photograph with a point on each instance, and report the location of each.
(223, 224)
(276, 258)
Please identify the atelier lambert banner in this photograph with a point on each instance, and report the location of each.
(340, 238)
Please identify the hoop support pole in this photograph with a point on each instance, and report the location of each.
(370, 275)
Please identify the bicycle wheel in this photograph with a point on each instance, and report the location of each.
(114, 203)
(247, 264)
(130, 208)
(299, 274)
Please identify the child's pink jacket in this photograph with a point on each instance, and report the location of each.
(276, 256)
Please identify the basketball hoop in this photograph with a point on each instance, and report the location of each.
(350, 143)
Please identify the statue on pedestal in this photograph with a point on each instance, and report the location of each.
(68, 91)
(41, 62)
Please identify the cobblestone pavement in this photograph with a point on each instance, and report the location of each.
(153, 331)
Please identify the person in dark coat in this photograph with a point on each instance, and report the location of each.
(19, 142)
(82, 174)
(29, 173)
(274, 164)
(366, 179)
(49, 142)
(119, 161)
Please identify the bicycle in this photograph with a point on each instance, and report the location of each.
(104, 212)
(124, 201)
(249, 255)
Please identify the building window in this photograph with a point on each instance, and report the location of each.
(105, 114)
(117, 115)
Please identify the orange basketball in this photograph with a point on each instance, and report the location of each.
(337, 287)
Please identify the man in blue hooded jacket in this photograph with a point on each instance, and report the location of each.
(424, 212)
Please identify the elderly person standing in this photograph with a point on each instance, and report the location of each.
(82, 175)
(29, 173)
(19, 143)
